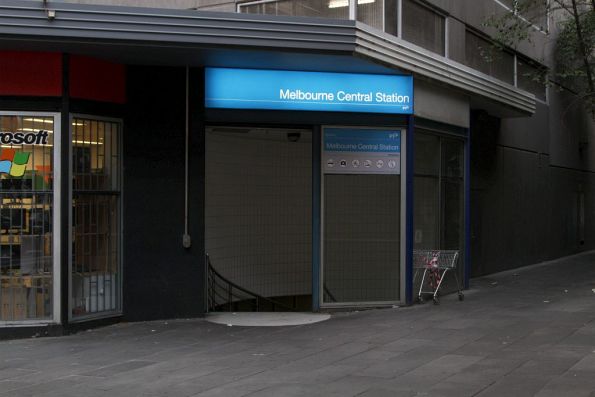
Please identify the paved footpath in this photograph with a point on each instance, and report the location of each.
(524, 333)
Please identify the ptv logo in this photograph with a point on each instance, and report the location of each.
(13, 163)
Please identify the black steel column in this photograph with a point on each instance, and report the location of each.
(64, 187)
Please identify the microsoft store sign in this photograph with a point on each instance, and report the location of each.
(310, 91)
(24, 138)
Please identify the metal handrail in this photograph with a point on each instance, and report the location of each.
(216, 280)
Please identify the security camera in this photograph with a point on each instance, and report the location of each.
(293, 136)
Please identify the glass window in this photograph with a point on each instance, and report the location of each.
(96, 274)
(452, 195)
(438, 212)
(530, 78)
(26, 217)
(427, 192)
(432, 36)
(338, 9)
(370, 12)
(391, 16)
(480, 55)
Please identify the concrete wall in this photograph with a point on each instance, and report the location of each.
(440, 104)
(527, 179)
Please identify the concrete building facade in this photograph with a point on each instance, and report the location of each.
(164, 183)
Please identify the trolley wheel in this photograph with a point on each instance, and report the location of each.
(461, 296)
(421, 299)
(436, 300)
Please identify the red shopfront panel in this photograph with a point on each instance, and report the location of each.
(97, 80)
(30, 73)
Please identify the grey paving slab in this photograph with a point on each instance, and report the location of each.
(119, 368)
(525, 333)
(16, 373)
(352, 385)
(485, 372)
(380, 392)
(515, 385)
(447, 388)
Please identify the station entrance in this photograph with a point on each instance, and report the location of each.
(258, 218)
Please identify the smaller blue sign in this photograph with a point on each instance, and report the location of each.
(361, 151)
(317, 91)
(362, 140)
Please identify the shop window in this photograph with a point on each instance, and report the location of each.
(432, 36)
(438, 215)
(530, 77)
(96, 273)
(481, 55)
(26, 217)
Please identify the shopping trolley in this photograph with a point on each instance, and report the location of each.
(435, 264)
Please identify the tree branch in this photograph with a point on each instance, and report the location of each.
(563, 5)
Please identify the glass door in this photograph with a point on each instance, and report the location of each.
(362, 216)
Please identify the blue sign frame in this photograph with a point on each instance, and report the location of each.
(310, 91)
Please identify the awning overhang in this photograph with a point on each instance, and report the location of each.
(198, 38)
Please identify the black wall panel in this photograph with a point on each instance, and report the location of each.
(161, 278)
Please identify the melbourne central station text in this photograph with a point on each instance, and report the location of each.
(342, 96)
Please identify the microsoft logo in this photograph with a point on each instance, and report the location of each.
(13, 163)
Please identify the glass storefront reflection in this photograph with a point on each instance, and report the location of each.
(26, 214)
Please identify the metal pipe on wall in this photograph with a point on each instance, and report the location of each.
(186, 240)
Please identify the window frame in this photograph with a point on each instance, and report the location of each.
(55, 318)
(120, 288)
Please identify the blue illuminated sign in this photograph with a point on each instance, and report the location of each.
(317, 91)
